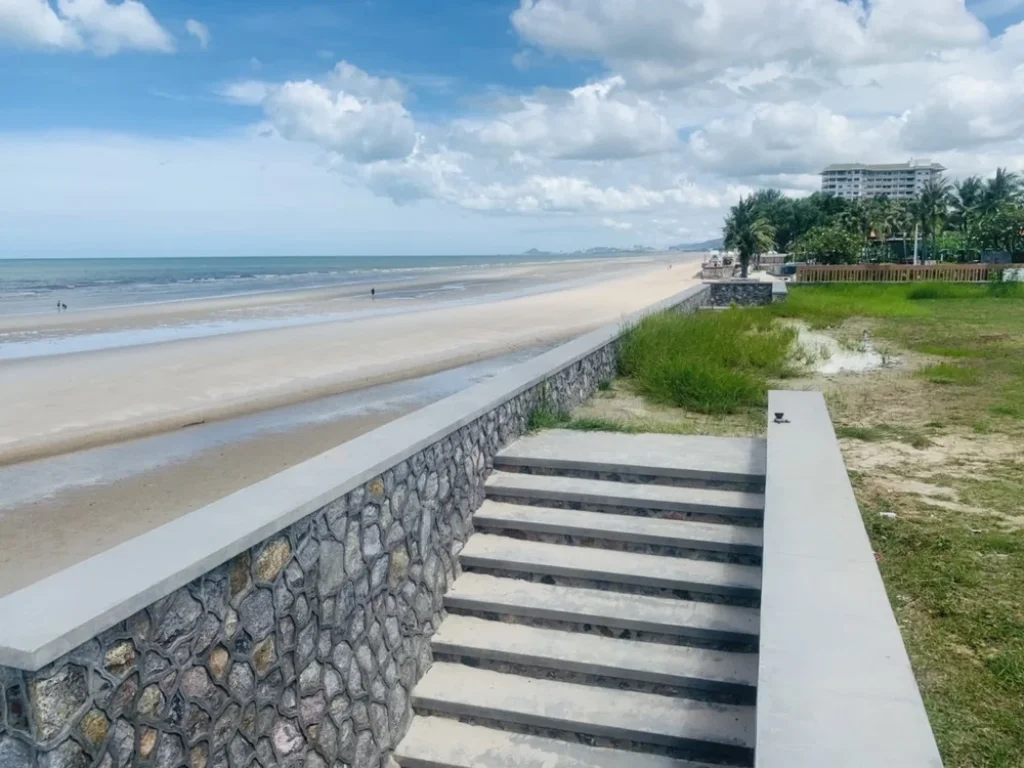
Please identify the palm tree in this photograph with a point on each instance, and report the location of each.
(968, 195)
(858, 218)
(748, 232)
(901, 220)
(1004, 187)
(880, 215)
(933, 208)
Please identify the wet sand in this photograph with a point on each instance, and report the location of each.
(99, 398)
(69, 402)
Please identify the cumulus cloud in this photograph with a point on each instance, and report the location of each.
(349, 112)
(790, 138)
(597, 121)
(673, 41)
(199, 31)
(362, 130)
(704, 101)
(100, 26)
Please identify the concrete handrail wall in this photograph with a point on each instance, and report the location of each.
(288, 621)
(835, 685)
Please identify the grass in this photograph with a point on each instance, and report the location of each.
(710, 362)
(547, 418)
(883, 433)
(945, 373)
(955, 585)
(955, 577)
(827, 305)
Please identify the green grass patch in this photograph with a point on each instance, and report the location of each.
(880, 434)
(710, 362)
(949, 374)
(545, 417)
(825, 305)
(867, 434)
(955, 585)
(957, 352)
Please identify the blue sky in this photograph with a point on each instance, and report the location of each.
(388, 126)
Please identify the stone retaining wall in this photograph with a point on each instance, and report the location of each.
(300, 651)
(741, 293)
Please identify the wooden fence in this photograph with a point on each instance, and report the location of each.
(894, 273)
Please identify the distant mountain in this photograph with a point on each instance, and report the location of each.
(708, 245)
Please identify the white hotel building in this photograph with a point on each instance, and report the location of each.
(853, 181)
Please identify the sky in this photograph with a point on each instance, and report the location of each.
(277, 127)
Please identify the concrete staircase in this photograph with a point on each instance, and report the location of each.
(607, 614)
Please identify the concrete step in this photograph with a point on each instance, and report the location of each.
(502, 553)
(598, 656)
(571, 605)
(538, 489)
(437, 742)
(631, 529)
(738, 460)
(713, 730)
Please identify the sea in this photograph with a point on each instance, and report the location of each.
(30, 286)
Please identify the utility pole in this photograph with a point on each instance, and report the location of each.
(917, 228)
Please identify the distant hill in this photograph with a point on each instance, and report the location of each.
(708, 245)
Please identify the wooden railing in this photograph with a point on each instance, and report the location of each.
(893, 273)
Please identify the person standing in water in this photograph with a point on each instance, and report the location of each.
(373, 294)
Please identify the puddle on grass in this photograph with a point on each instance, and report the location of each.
(828, 356)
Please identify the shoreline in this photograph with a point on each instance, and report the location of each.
(70, 402)
(400, 276)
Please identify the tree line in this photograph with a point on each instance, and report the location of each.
(953, 221)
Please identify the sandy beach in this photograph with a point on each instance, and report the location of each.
(80, 410)
(68, 402)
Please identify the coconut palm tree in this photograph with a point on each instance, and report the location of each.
(933, 208)
(879, 213)
(901, 221)
(748, 232)
(1004, 187)
(967, 197)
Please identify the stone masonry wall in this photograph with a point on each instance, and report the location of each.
(742, 293)
(301, 651)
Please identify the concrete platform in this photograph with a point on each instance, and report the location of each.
(666, 616)
(645, 718)
(437, 742)
(600, 656)
(684, 534)
(714, 459)
(605, 493)
(503, 553)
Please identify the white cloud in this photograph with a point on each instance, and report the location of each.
(199, 31)
(33, 23)
(679, 41)
(98, 25)
(622, 226)
(966, 112)
(790, 138)
(359, 129)
(246, 92)
(593, 122)
(349, 112)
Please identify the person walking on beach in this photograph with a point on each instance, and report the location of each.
(58, 307)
